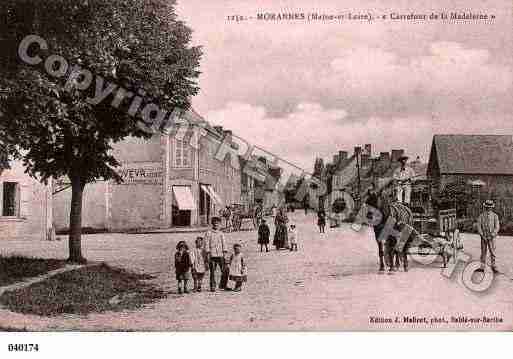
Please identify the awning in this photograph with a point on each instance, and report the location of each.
(212, 193)
(184, 198)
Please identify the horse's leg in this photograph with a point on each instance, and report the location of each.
(397, 259)
(405, 261)
(381, 256)
(389, 252)
(381, 253)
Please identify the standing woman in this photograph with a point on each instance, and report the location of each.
(227, 213)
(321, 220)
(280, 235)
(257, 216)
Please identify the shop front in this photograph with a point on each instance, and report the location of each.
(210, 203)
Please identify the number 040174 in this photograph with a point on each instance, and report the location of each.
(23, 347)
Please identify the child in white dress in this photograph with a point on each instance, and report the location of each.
(293, 237)
(237, 268)
(199, 259)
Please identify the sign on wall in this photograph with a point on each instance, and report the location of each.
(141, 175)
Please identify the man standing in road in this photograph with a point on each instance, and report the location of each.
(217, 250)
(403, 177)
(488, 228)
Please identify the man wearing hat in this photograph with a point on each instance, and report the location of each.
(488, 228)
(403, 177)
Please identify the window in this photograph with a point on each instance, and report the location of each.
(10, 205)
(182, 154)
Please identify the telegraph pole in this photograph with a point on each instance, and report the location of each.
(358, 162)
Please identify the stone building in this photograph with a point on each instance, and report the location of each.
(173, 179)
(467, 159)
(25, 205)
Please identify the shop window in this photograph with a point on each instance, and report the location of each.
(10, 203)
(182, 154)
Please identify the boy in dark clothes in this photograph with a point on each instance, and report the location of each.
(263, 236)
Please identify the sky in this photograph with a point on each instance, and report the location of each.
(309, 89)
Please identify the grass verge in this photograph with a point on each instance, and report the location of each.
(92, 289)
(11, 329)
(17, 268)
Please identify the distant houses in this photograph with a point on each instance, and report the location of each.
(462, 171)
(354, 173)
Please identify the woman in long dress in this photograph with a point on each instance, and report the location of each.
(280, 235)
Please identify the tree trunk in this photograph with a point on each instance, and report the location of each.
(75, 221)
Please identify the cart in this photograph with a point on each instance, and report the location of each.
(437, 235)
(241, 216)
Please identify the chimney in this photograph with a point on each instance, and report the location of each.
(396, 154)
(384, 156)
(368, 149)
(342, 155)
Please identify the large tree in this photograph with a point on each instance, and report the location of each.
(61, 127)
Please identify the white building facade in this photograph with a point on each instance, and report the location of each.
(25, 205)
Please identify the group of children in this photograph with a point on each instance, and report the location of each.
(209, 253)
(206, 257)
(264, 234)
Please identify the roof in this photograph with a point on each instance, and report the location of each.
(473, 154)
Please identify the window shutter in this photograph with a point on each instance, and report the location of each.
(24, 190)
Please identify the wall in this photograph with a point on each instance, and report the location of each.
(135, 206)
(94, 209)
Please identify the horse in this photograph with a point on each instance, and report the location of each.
(387, 251)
